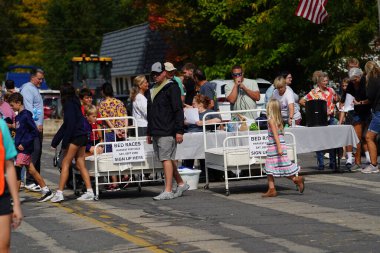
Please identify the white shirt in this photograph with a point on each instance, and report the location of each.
(139, 111)
(285, 100)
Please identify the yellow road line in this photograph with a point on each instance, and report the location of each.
(115, 231)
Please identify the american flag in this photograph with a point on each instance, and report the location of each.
(313, 10)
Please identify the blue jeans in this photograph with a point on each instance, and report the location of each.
(109, 137)
(332, 152)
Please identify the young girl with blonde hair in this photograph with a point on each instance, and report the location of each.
(277, 163)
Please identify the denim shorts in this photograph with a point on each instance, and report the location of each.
(355, 118)
(374, 126)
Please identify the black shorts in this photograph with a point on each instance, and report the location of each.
(5, 204)
(80, 141)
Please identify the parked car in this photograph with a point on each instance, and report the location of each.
(52, 104)
(221, 93)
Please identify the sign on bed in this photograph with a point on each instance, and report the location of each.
(128, 151)
(258, 145)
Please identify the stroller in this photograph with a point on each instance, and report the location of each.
(75, 181)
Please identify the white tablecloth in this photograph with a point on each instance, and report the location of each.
(308, 139)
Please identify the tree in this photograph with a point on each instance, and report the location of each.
(76, 27)
(8, 21)
(266, 37)
(24, 21)
(187, 33)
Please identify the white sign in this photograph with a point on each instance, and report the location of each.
(258, 145)
(349, 103)
(128, 151)
(191, 115)
(225, 108)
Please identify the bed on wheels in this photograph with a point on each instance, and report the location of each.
(102, 168)
(231, 153)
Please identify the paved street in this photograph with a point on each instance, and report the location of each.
(337, 213)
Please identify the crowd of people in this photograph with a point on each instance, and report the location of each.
(158, 111)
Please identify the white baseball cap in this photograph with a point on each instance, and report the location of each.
(169, 66)
(157, 67)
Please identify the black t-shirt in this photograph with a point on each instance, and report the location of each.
(189, 84)
(359, 93)
(373, 92)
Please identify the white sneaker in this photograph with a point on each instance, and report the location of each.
(58, 197)
(46, 196)
(181, 189)
(33, 187)
(87, 196)
(29, 186)
(327, 156)
(370, 169)
(164, 196)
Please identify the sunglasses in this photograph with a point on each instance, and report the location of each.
(154, 73)
(237, 74)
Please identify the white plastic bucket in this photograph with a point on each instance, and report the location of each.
(191, 177)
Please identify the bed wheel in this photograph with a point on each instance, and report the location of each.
(206, 187)
(227, 192)
(96, 198)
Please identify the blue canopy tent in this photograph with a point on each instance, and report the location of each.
(23, 76)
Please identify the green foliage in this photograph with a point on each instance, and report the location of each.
(264, 36)
(8, 22)
(27, 18)
(76, 27)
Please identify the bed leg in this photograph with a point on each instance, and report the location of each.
(139, 187)
(226, 181)
(96, 187)
(207, 182)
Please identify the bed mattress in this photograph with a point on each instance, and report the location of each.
(105, 164)
(235, 156)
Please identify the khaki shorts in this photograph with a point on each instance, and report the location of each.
(165, 147)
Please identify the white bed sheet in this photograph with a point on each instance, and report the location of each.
(105, 164)
(235, 156)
